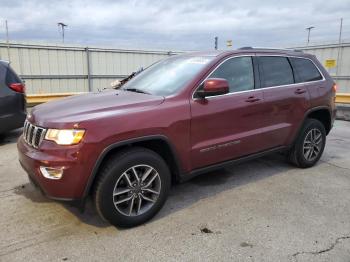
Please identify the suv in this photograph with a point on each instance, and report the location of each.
(12, 99)
(180, 117)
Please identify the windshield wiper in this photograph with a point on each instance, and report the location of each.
(126, 79)
(136, 90)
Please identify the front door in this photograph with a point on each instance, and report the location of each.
(227, 126)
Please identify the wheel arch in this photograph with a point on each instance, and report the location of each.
(160, 144)
(323, 115)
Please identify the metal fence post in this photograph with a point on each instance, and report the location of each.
(88, 69)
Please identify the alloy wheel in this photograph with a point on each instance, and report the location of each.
(136, 190)
(312, 144)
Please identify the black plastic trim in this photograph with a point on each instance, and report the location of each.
(124, 143)
(307, 113)
(257, 82)
(206, 169)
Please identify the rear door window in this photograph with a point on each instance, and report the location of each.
(275, 71)
(305, 70)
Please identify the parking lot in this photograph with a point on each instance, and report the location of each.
(262, 210)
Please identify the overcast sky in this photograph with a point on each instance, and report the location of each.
(177, 24)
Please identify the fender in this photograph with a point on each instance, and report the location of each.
(307, 113)
(123, 143)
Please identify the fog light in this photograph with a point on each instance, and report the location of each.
(51, 173)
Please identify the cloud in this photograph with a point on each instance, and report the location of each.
(175, 24)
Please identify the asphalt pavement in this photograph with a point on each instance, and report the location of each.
(262, 210)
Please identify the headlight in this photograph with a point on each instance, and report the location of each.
(65, 136)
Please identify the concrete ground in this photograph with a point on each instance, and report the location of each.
(343, 111)
(262, 210)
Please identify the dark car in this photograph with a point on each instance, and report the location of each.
(12, 99)
(180, 117)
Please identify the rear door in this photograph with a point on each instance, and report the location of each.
(307, 73)
(5, 96)
(227, 126)
(285, 101)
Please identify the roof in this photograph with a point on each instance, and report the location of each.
(3, 62)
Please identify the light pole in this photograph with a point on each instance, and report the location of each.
(7, 40)
(62, 25)
(339, 48)
(308, 33)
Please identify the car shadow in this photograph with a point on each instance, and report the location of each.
(88, 215)
(10, 137)
(207, 185)
(213, 183)
(31, 192)
(186, 194)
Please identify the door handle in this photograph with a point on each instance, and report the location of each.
(300, 91)
(252, 99)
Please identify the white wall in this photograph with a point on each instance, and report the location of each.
(57, 69)
(325, 52)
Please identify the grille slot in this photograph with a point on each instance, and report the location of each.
(33, 135)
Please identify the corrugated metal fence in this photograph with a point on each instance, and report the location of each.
(62, 69)
(59, 69)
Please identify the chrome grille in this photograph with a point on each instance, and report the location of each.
(32, 134)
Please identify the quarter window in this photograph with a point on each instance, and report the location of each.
(11, 76)
(239, 73)
(305, 70)
(275, 71)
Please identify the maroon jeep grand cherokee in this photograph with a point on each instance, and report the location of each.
(182, 116)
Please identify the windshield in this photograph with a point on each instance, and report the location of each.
(168, 76)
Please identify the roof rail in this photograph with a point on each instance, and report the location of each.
(245, 48)
(269, 48)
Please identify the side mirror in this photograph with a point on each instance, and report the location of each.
(214, 87)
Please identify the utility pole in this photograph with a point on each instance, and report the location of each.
(339, 48)
(7, 40)
(308, 33)
(7, 31)
(62, 25)
(216, 43)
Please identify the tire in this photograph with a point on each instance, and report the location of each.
(305, 153)
(117, 181)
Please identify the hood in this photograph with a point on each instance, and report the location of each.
(79, 108)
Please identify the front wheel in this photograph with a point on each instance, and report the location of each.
(309, 146)
(132, 187)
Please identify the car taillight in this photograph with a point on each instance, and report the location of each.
(335, 88)
(17, 87)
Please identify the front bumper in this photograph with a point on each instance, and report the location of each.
(76, 171)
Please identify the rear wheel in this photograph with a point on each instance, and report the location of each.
(310, 144)
(132, 187)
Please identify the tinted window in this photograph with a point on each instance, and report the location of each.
(11, 76)
(238, 72)
(275, 71)
(305, 70)
(3, 70)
